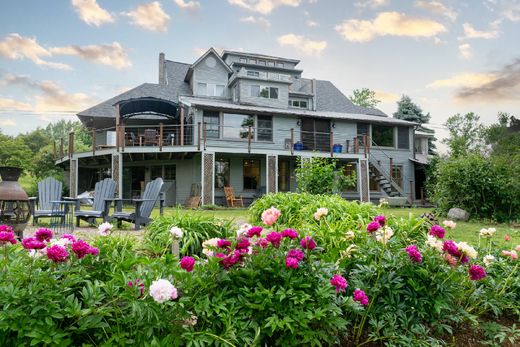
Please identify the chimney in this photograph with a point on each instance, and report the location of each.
(162, 71)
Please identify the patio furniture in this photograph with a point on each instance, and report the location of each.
(130, 139)
(151, 137)
(233, 201)
(62, 219)
(143, 207)
(49, 190)
(104, 192)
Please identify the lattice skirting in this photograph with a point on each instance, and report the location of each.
(208, 164)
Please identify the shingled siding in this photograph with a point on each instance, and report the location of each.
(206, 74)
(245, 98)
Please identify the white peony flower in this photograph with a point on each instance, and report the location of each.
(243, 228)
(435, 243)
(449, 224)
(384, 234)
(162, 291)
(489, 259)
(207, 244)
(487, 232)
(61, 242)
(104, 229)
(349, 235)
(467, 250)
(322, 211)
(176, 233)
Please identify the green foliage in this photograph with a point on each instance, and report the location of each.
(319, 175)
(485, 187)
(364, 97)
(466, 134)
(14, 152)
(410, 111)
(196, 228)
(504, 136)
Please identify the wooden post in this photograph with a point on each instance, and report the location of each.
(411, 192)
(365, 144)
(122, 137)
(118, 121)
(348, 146)
(182, 126)
(204, 126)
(93, 141)
(71, 144)
(198, 136)
(292, 141)
(61, 148)
(249, 139)
(54, 150)
(391, 169)
(369, 144)
(117, 138)
(160, 136)
(356, 145)
(331, 143)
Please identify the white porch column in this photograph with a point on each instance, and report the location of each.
(271, 174)
(208, 178)
(364, 186)
(117, 173)
(73, 180)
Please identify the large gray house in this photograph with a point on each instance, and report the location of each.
(241, 120)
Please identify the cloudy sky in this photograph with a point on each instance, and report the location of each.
(59, 57)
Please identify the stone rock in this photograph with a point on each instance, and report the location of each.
(397, 201)
(458, 214)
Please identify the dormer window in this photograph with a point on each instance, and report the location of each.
(253, 73)
(261, 62)
(299, 104)
(279, 64)
(252, 61)
(243, 60)
(270, 63)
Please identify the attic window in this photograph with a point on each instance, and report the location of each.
(270, 63)
(279, 64)
(261, 62)
(252, 61)
(243, 60)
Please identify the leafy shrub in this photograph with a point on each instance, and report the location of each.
(197, 229)
(319, 175)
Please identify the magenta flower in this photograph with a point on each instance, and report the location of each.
(477, 272)
(69, 237)
(43, 234)
(360, 297)
(223, 243)
(254, 231)
(81, 248)
(137, 283)
(296, 253)
(373, 226)
(414, 253)
(381, 220)
(32, 243)
(94, 251)
(57, 254)
(274, 238)
(437, 231)
(339, 282)
(291, 263)
(243, 244)
(187, 263)
(7, 235)
(262, 243)
(308, 243)
(290, 233)
(230, 260)
(451, 247)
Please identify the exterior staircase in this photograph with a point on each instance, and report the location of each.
(383, 178)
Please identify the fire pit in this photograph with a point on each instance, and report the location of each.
(15, 210)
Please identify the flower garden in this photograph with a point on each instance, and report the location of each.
(308, 270)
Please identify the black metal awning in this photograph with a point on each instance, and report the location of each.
(148, 106)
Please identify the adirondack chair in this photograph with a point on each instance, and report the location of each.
(143, 206)
(48, 190)
(104, 192)
(233, 201)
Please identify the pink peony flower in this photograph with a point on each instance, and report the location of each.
(437, 231)
(339, 282)
(230, 260)
(94, 251)
(69, 237)
(517, 248)
(507, 237)
(32, 243)
(360, 297)
(187, 263)
(296, 253)
(262, 243)
(254, 231)
(243, 244)
(512, 254)
(451, 247)
(381, 220)
(81, 248)
(274, 238)
(7, 235)
(138, 284)
(373, 226)
(270, 216)
(162, 291)
(43, 234)
(290, 233)
(451, 260)
(223, 243)
(308, 243)
(291, 263)
(477, 272)
(414, 253)
(57, 254)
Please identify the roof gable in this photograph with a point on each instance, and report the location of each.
(202, 57)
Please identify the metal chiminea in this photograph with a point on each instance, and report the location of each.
(15, 210)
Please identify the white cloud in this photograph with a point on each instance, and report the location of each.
(264, 6)
(10, 104)
(188, 5)
(371, 3)
(15, 46)
(108, 54)
(311, 23)
(7, 122)
(386, 96)
(388, 23)
(438, 41)
(466, 52)
(471, 33)
(261, 21)
(512, 12)
(302, 44)
(150, 16)
(463, 80)
(437, 7)
(91, 13)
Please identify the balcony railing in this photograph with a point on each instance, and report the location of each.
(204, 135)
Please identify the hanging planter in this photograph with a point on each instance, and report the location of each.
(15, 210)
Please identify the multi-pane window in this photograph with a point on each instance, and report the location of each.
(397, 175)
(279, 64)
(270, 63)
(243, 60)
(265, 128)
(403, 138)
(211, 89)
(251, 173)
(252, 61)
(284, 175)
(261, 62)
(222, 173)
(202, 88)
(236, 126)
(350, 169)
(299, 103)
(383, 135)
(269, 92)
(363, 129)
(220, 90)
(212, 120)
(253, 73)
(254, 90)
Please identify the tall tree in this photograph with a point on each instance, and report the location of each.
(467, 134)
(364, 97)
(410, 111)
(504, 136)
